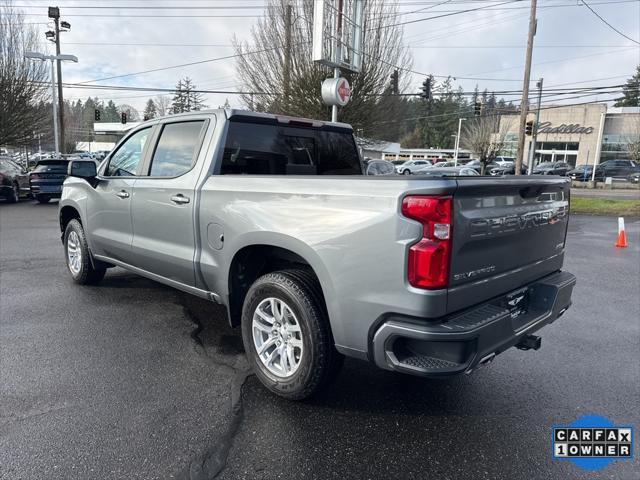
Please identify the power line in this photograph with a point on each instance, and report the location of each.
(608, 24)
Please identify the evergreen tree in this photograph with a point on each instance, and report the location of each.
(631, 92)
(178, 103)
(150, 110)
(111, 112)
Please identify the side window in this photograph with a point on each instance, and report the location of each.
(125, 160)
(176, 149)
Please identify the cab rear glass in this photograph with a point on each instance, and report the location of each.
(268, 149)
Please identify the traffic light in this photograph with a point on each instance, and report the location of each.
(96, 115)
(123, 118)
(426, 89)
(477, 109)
(146, 117)
(528, 129)
(395, 89)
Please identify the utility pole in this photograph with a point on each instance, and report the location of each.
(534, 137)
(524, 103)
(287, 57)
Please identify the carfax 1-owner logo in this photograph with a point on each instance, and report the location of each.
(592, 442)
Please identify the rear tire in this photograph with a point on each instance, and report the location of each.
(42, 199)
(78, 257)
(300, 312)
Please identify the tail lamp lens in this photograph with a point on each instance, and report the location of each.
(428, 263)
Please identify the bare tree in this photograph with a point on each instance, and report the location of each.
(132, 114)
(485, 137)
(163, 105)
(261, 64)
(22, 81)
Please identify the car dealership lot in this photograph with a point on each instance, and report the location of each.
(131, 379)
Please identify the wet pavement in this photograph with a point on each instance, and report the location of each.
(131, 379)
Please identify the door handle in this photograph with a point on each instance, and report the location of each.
(180, 199)
(123, 194)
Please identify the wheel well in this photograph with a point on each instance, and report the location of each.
(252, 262)
(66, 215)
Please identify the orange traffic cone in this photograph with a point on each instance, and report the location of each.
(622, 238)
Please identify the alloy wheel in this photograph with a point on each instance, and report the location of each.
(277, 337)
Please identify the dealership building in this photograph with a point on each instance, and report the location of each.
(578, 135)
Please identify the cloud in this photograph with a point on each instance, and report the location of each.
(564, 34)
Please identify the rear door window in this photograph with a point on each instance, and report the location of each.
(261, 149)
(177, 148)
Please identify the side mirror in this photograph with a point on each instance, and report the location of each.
(380, 167)
(83, 169)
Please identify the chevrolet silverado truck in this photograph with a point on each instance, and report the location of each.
(274, 218)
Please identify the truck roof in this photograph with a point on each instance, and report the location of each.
(270, 118)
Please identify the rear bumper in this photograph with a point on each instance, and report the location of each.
(462, 342)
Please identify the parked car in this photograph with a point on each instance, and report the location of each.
(47, 177)
(507, 169)
(14, 181)
(379, 167)
(421, 169)
(313, 259)
(449, 172)
(615, 169)
(581, 173)
(408, 167)
(634, 177)
(551, 168)
(503, 160)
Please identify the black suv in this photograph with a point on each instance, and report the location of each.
(47, 178)
(552, 168)
(616, 169)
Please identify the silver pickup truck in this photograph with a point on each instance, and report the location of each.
(273, 218)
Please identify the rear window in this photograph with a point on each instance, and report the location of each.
(55, 166)
(259, 149)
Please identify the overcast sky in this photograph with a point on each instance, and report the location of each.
(572, 46)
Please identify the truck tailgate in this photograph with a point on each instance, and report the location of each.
(506, 233)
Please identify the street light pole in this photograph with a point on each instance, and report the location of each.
(455, 154)
(534, 137)
(54, 103)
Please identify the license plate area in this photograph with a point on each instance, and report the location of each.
(517, 303)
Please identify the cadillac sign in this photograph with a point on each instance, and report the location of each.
(547, 127)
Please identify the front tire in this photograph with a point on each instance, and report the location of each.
(77, 256)
(407, 172)
(42, 199)
(286, 335)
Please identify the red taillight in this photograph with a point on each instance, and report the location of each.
(429, 258)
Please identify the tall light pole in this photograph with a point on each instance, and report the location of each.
(534, 137)
(455, 154)
(53, 58)
(54, 36)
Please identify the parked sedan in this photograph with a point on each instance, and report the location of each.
(408, 167)
(507, 169)
(449, 172)
(616, 169)
(47, 178)
(14, 181)
(581, 173)
(552, 168)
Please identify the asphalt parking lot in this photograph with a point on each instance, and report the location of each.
(131, 379)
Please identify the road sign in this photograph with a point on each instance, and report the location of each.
(337, 33)
(336, 91)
